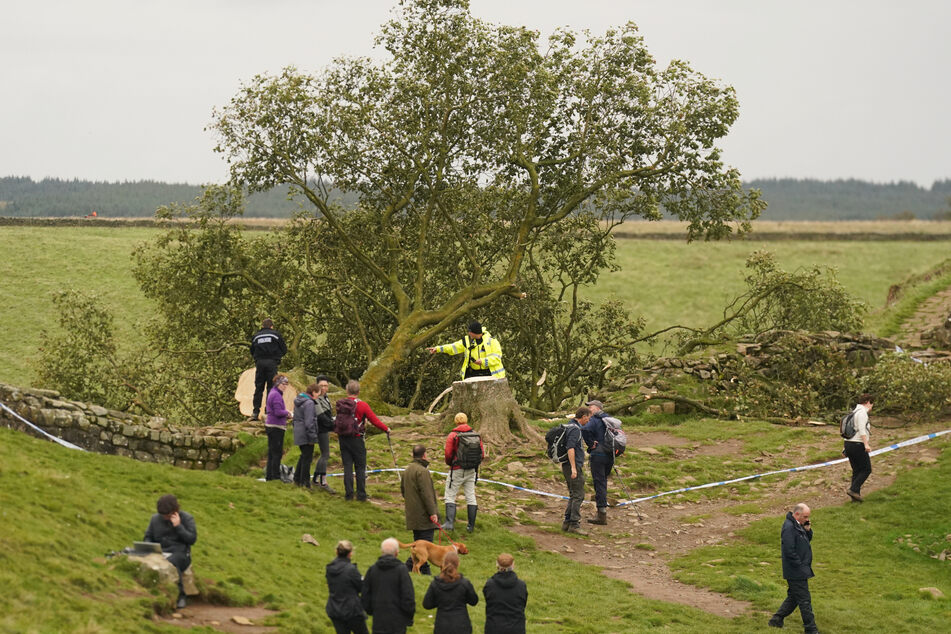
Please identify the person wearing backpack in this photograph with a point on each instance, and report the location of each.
(463, 454)
(482, 350)
(857, 448)
(350, 425)
(573, 470)
(601, 457)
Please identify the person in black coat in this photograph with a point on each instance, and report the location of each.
(505, 598)
(344, 584)
(267, 350)
(795, 538)
(388, 592)
(449, 593)
(175, 530)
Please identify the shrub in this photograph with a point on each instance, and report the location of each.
(904, 386)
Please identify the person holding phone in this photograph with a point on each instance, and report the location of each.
(796, 538)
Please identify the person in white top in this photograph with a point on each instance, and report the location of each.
(857, 447)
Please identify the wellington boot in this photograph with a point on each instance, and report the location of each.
(601, 520)
(450, 517)
(471, 511)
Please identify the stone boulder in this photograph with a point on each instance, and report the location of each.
(157, 570)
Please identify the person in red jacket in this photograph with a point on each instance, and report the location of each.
(350, 425)
(463, 472)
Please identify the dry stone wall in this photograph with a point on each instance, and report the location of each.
(94, 428)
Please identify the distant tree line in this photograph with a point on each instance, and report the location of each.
(788, 198)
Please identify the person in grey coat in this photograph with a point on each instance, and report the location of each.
(305, 433)
(796, 538)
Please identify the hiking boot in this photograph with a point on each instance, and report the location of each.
(326, 487)
(576, 529)
(255, 414)
(601, 520)
(855, 496)
(565, 526)
(775, 622)
(450, 517)
(471, 511)
(181, 602)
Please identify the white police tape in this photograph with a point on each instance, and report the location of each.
(904, 443)
(64, 443)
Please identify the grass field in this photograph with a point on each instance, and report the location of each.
(668, 282)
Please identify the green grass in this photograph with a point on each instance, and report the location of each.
(671, 282)
(63, 510)
(866, 579)
(889, 322)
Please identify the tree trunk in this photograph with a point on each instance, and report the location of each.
(492, 411)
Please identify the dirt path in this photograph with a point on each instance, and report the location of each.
(221, 618)
(930, 315)
(637, 549)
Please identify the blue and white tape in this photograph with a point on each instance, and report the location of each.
(64, 443)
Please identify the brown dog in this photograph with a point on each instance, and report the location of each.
(423, 551)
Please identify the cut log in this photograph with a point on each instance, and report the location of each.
(492, 411)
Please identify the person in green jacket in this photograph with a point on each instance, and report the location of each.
(483, 354)
(419, 499)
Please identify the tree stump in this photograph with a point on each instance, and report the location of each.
(492, 410)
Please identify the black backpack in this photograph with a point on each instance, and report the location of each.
(847, 425)
(345, 424)
(557, 439)
(468, 450)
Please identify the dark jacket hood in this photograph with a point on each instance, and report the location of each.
(442, 584)
(301, 399)
(506, 579)
(339, 565)
(386, 562)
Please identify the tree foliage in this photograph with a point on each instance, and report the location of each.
(469, 144)
(906, 387)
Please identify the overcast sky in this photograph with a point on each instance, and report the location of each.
(122, 89)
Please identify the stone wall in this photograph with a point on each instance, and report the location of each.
(94, 428)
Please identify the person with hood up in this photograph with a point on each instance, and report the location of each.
(449, 593)
(305, 433)
(505, 598)
(344, 584)
(387, 593)
(275, 424)
(482, 350)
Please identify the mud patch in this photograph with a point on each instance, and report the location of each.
(219, 618)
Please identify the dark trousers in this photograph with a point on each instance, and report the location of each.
(861, 464)
(797, 594)
(302, 470)
(600, 470)
(264, 371)
(356, 625)
(181, 561)
(353, 452)
(323, 441)
(428, 535)
(575, 493)
(275, 451)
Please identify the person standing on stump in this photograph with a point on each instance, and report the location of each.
(419, 500)
(601, 459)
(795, 538)
(267, 350)
(857, 448)
(175, 530)
(458, 456)
(573, 470)
(482, 350)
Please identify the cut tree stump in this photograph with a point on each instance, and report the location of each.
(492, 410)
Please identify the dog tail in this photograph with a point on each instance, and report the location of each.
(402, 545)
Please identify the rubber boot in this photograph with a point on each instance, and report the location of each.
(471, 510)
(450, 517)
(601, 520)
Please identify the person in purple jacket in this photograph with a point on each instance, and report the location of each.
(275, 424)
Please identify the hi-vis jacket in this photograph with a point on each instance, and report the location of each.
(487, 351)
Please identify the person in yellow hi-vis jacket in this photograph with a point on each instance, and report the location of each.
(482, 350)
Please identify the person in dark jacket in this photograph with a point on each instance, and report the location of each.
(267, 350)
(344, 584)
(353, 449)
(388, 592)
(449, 593)
(275, 424)
(601, 460)
(419, 501)
(305, 433)
(573, 470)
(325, 425)
(175, 530)
(505, 598)
(795, 538)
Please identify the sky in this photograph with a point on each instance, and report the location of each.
(120, 90)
